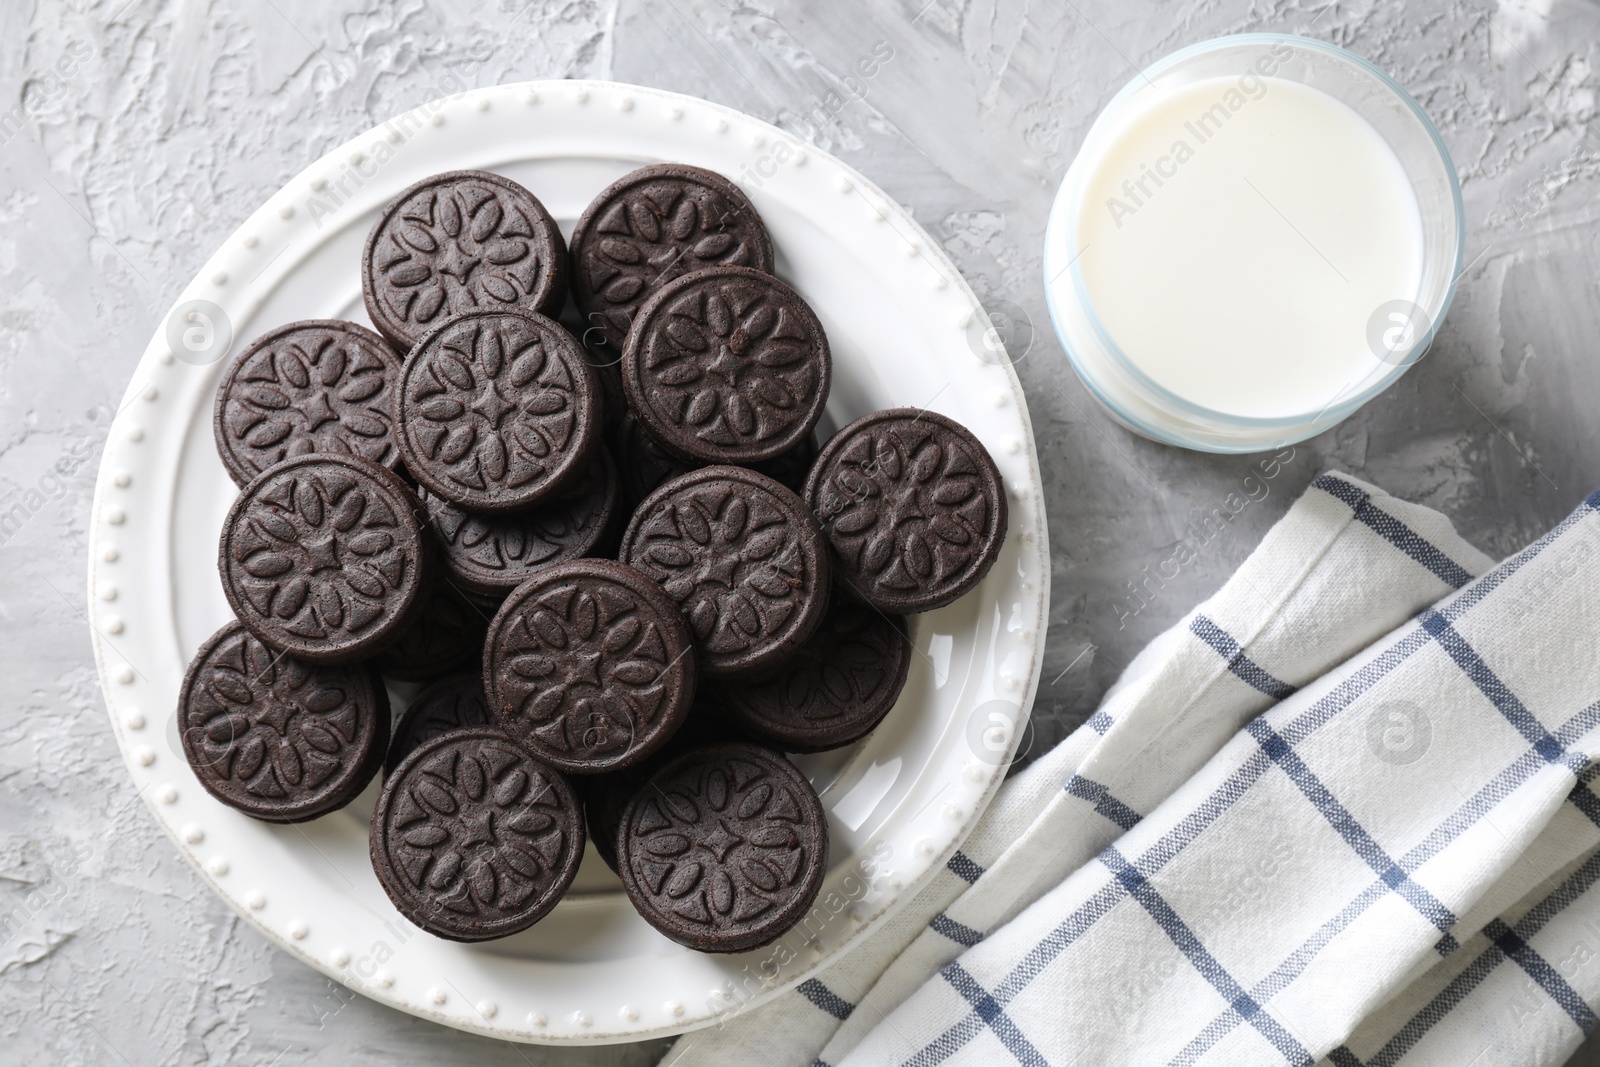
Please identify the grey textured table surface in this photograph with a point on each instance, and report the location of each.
(148, 129)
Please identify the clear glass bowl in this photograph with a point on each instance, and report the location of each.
(1126, 391)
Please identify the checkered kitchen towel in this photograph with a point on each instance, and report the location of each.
(1341, 814)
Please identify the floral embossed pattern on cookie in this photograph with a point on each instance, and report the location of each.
(319, 385)
(743, 559)
(838, 687)
(322, 557)
(473, 838)
(724, 848)
(913, 507)
(276, 737)
(590, 665)
(458, 241)
(497, 410)
(651, 226)
(727, 365)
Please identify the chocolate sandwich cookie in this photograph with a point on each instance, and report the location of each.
(727, 365)
(651, 226)
(790, 469)
(724, 848)
(321, 385)
(448, 704)
(744, 560)
(912, 505)
(276, 737)
(605, 795)
(490, 555)
(446, 636)
(643, 465)
(606, 362)
(455, 242)
(473, 838)
(590, 665)
(838, 687)
(497, 411)
(323, 557)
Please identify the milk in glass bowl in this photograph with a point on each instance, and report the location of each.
(1259, 235)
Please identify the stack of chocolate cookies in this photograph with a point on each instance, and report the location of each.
(607, 549)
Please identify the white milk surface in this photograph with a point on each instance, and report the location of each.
(1238, 235)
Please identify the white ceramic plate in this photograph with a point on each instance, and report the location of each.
(905, 330)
